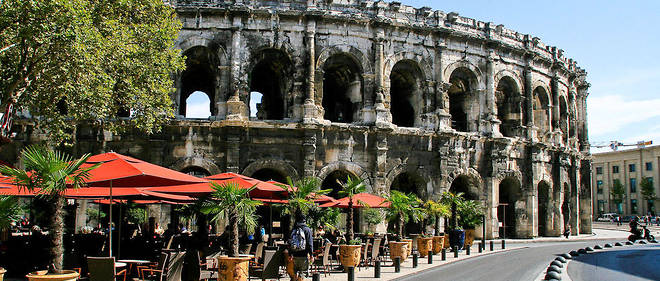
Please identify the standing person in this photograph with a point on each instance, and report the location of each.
(567, 232)
(301, 247)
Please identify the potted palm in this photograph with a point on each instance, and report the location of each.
(436, 210)
(402, 209)
(9, 213)
(48, 173)
(372, 217)
(456, 233)
(471, 213)
(350, 253)
(232, 203)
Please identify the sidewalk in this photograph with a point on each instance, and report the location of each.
(598, 234)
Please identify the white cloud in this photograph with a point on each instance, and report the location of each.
(610, 114)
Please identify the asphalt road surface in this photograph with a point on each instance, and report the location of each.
(630, 263)
(521, 264)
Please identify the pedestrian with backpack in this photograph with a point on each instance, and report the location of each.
(301, 247)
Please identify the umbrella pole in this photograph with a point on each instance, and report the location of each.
(110, 224)
(119, 231)
(270, 224)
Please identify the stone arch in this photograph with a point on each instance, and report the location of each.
(270, 72)
(463, 94)
(280, 166)
(196, 171)
(199, 76)
(194, 41)
(468, 182)
(505, 73)
(341, 75)
(545, 208)
(541, 107)
(424, 66)
(203, 163)
(353, 52)
(511, 203)
(508, 101)
(423, 189)
(406, 93)
(352, 168)
(446, 74)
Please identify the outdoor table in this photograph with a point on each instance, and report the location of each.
(131, 263)
(120, 264)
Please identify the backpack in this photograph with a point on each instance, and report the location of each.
(298, 242)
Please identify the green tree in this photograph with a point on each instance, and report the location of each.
(229, 201)
(48, 173)
(470, 214)
(68, 61)
(648, 191)
(96, 214)
(617, 193)
(136, 214)
(454, 200)
(10, 211)
(327, 218)
(351, 187)
(301, 195)
(435, 210)
(372, 217)
(403, 208)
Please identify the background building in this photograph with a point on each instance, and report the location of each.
(629, 168)
(405, 98)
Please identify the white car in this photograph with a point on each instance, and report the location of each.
(609, 217)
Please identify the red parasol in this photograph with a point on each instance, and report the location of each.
(372, 201)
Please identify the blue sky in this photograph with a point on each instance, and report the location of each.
(615, 41)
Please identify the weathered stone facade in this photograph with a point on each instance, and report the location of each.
(407, 98)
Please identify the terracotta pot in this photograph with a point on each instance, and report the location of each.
(410, 245)
(424, 245)
(349, 255)
(438, 244)
(399, 249)
(43, 275)
(469, 237)
(445, 242)
(233, 268)
(2, 273)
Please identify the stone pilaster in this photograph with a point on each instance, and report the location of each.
(311, 112)
(529, 101)
(490, 123)
(236, 108)
(309, 147)
(233, 153)
(556, 116)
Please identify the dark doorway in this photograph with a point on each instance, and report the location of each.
(404, 91)
(460, 95)
(342, 89)
(508, 106)
(543, 206)
(270, 77)
(331, 182)
(510, 193)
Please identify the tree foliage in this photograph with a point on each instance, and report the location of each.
(10, 210)
(618, 192)
(648, 192)
(351, 187)
(67, 61)
(403, 208)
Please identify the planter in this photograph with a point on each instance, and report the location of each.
(349, 255)
(43, 275)
(438, 244)
(233, 268)
(399, 249)
(456, 238)
(469, 237)
(2, 273)
(445, 241)
(410, 245)
(424, 245)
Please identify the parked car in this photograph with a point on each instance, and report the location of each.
(609, 217)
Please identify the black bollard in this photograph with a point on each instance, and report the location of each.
(503, 244)
(444, 254)
(430, 256)
(316, 277)
(397, 264)
(491, 245)
(456, 251)
(415, 260)
(467, 250)
(481, 245)
(377, 269)
(351, 273)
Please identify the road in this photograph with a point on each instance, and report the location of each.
(520, 264)
(630, 263)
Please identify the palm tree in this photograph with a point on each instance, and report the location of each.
(301, 195)
(454, 200)
(10, 211)
(229, 201)
(403, 207)
(349, 189)
(48, 173)
(436, 209)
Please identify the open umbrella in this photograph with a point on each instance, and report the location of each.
(371, 201)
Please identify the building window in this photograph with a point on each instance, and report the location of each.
(599, 186)
(599, 170)
(633, 206)
(601, 206)
(633, 185)
(615, 169)
(649, 166)
(650, 179)
(631, 168)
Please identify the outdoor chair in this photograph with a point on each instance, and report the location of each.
(154, 272)
(258, 253)
(204, 273)
(175, 267)
(103, 269)
(324, 260)
(363, 258)
(375, 251)
(270, 268)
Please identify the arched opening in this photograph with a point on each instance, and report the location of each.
(544, 205)
(541, 110)
(407, 182)
(405, 93)
(507, 98)
(270, 77)
(510, 193)
(268, 174)
(342, 89)
(199, 76)
(196, 171)
(566, 205)
(198, 105)
(563, 118)
(331, 182)
(463, 83)
(465, 185)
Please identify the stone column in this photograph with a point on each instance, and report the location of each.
(310, 109)
(236, 108)
(383, 117)
(309, 158)
(556, 117)
(582, 97)
(233, 153)
(441, 91)
(529, 102)
(490, 123)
